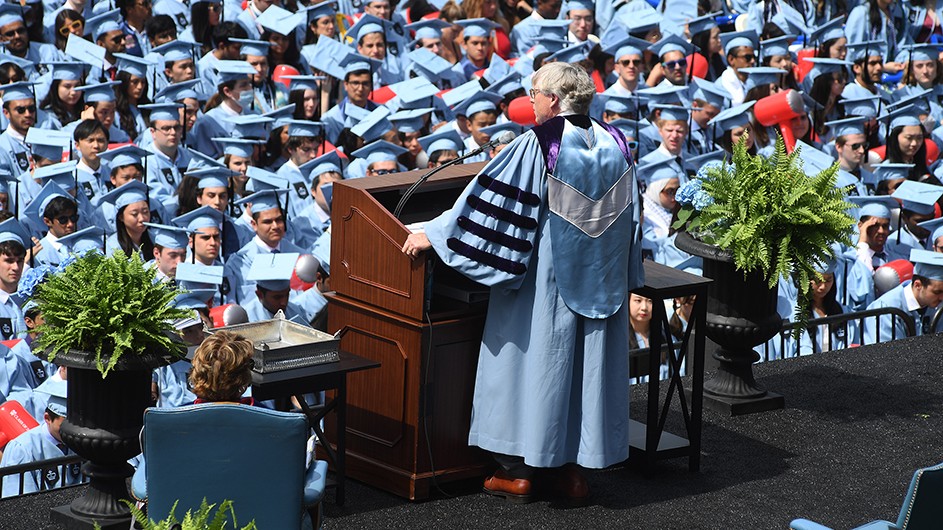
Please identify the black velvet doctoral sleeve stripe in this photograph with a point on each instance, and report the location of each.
(511, 242)
(486, 258)
(511, 192)
(502, 214)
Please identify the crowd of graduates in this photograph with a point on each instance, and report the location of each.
(208, 134)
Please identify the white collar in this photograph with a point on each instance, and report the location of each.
(912, 303)
(263, 246)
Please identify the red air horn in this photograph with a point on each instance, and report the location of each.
(779, 109)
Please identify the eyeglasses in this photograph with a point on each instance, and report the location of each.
(630, 62)
(748, 57)
(680, 63)
(117, 38)
(21, 30)
(74, 26)
(859, 145)
(358, 84)
(64, 219)
(23, 109)
(670, 191)
(167, 129)
(382, 171)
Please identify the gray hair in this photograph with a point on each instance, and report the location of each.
(571, 84)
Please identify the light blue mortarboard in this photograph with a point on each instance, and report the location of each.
(366, 25)
(199, 160)
(355, 115)
(923, 52)
(571, 54)
(618, 103)
(739, 38)
(84, 240)
(861, 50)
(891, 171)
(570, 5)
(327, 54)
(67, 71)
(672, 112)
(6, 179)
(85, 51)
(304, 82)
(428, 64)
(193, 276)
(828, 31)
(243, 147)
(547, 45)
(497, 69)
(428, 29)
(20, 90)
(927, 264)
(326, 163)
(703, 23)
(379, 151)
(58, 395)
(281, 21)
(445, 138)
(935, 226)
(177, 50)
(901, 117)
(233, 70)
(874, 205)
(738, 116)
(250, 126)
(416, 89)
(100, 24)
(305, 128)
(180, 91)
(261, 180)
(658, 170)
(10, 13)
(163, 111)
(128, 193)
(322, 251)
(861, 106)
(169, 236)
(320, 10)
(696, 162)
(23, 63)
(461, 93)
(917, 97)
(628, 127)
(99, 91)
(35, 209)
(846, 126)
(63, 174)
(132, 64)
(409, 121)
(253, 47)
(918, 197)
(281, 115)
(273, 271)
(354, 62)
(762, 75)
(262, 201)
(776, 46)
(664, 93)
(124, 156)
(479, 102)
(712, 93)
(640, 22)
(12, 230)
(480, 27)
(374, 125)
(193, 299)
(823, 65)
(212, 177)
(507, 84)
(494, 130)
(203, 217)
(47, 143)
(672, 43)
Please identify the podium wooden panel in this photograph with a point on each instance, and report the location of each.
(419, 401)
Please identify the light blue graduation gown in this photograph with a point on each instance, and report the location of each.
(35, 445)
(49, 255)
(213, 124)
(172, 383)
(888, 324)
(258, 313)
(901, 249)
(838, 338)
(238, 265)
(551, 384)
(299, 197)
(309, 226)
(858, 29)
(14, 155)
(164, 176)
(525, 34)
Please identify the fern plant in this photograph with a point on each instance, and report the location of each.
(191, 521)
(108, 306)
(770, 215)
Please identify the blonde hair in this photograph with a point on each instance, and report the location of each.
(222, 367)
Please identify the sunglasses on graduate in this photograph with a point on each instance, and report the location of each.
(630, 62)
(23, 109)
(680, 63)
(64, 219)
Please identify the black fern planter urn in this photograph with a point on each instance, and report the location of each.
(741, 315)
(105, 417)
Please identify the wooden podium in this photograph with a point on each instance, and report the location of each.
(408, 419)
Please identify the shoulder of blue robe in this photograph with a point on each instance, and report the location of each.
(594, 213)
(490, 232)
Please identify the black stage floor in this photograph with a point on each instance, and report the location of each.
(857, 423)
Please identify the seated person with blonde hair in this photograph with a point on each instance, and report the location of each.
(222, 369)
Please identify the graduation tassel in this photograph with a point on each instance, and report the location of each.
(16, 211)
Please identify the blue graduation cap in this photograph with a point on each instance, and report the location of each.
(167, 111)
(572, 54)
(739, 38)
(58, 394)
(417, 89)
(901, 117)
(212, 177)
(62, 71)
(63, 174)
(6, 179)
(99, 91)
(327, 55)
(481, 27)
(10, 13)
(281, 115)
(640, 22)
(846, 126)
(84, 240)
(132, 64)
(927, 264)
(428, 66)
(128, 193)
(480, 102)
(85, 51)
(125, 155)
(918, 197)
(354, 62)
(935, 227)
(34, 210)
(874, 205)
(20, 90)
(281, 21)
(262, 201)
(47, 144)
(253, 47)
(762, 75)
(379, 151)
(629, 129)
(923, 52)
(507, 84)
(672, 112)
(738, 116)
(712, 93)
(233, 70)
(696, 162)
(497, 69)
(199, 276)
(546, 45)
(618, 103)
(776, 46)
(830, 30)
(273, 271)
(703, 23)
(199, 160)
(664, 93)
(891, 171)
(180, 91)
(672, 43)
(243, 147)
(12, 230)
(862, 50)
(304, 82)
(461, 93)
(919, 98)
(366, 25)
(658, 170)
(498, 128)
(410, 121)
(823, 65)
(445, 138)
(571, 5)
(177, 50)
(374, 125)
(356, 114)
(428, 29)
(250, 126)
(261, 180)
(329, 162)
(100, 24)
(203, 217)
(22, 62)
(861, 106)
(320, 10)
(168, 236)
(305, 128)
(192, 299)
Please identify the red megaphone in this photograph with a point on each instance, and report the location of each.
(14, 421)
(779, 109)
(521, 112)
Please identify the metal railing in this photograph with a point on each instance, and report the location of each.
(43, 470)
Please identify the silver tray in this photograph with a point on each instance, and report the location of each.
(281, 344)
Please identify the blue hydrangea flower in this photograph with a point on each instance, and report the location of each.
(702, 171)
(68, 260)
(686, 193)
(702, 200)
(31, 279)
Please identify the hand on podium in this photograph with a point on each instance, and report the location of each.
(415, 244)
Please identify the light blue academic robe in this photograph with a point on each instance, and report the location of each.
(838, 338)
(525, 34)
(36, 369)
(901, 249)
(35, 445)
(551, 384)
(854, 281)
(172, 383)
(258, 313)
(12, 323)
(49, 255)
(164, 176)
(213, 124)
(858, 29)
(14, 155)
(299, 197)
(336, 117)
(893, 298)
(309, 225)
(238, 265)
(208, 77)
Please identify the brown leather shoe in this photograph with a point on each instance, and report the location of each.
(516, 490)
(568, 484)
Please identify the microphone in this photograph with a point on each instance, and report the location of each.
(503, 139)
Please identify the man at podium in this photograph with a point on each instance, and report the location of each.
(551, 224)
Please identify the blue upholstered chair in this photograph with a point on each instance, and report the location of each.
(249, 455)
(922, 508)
